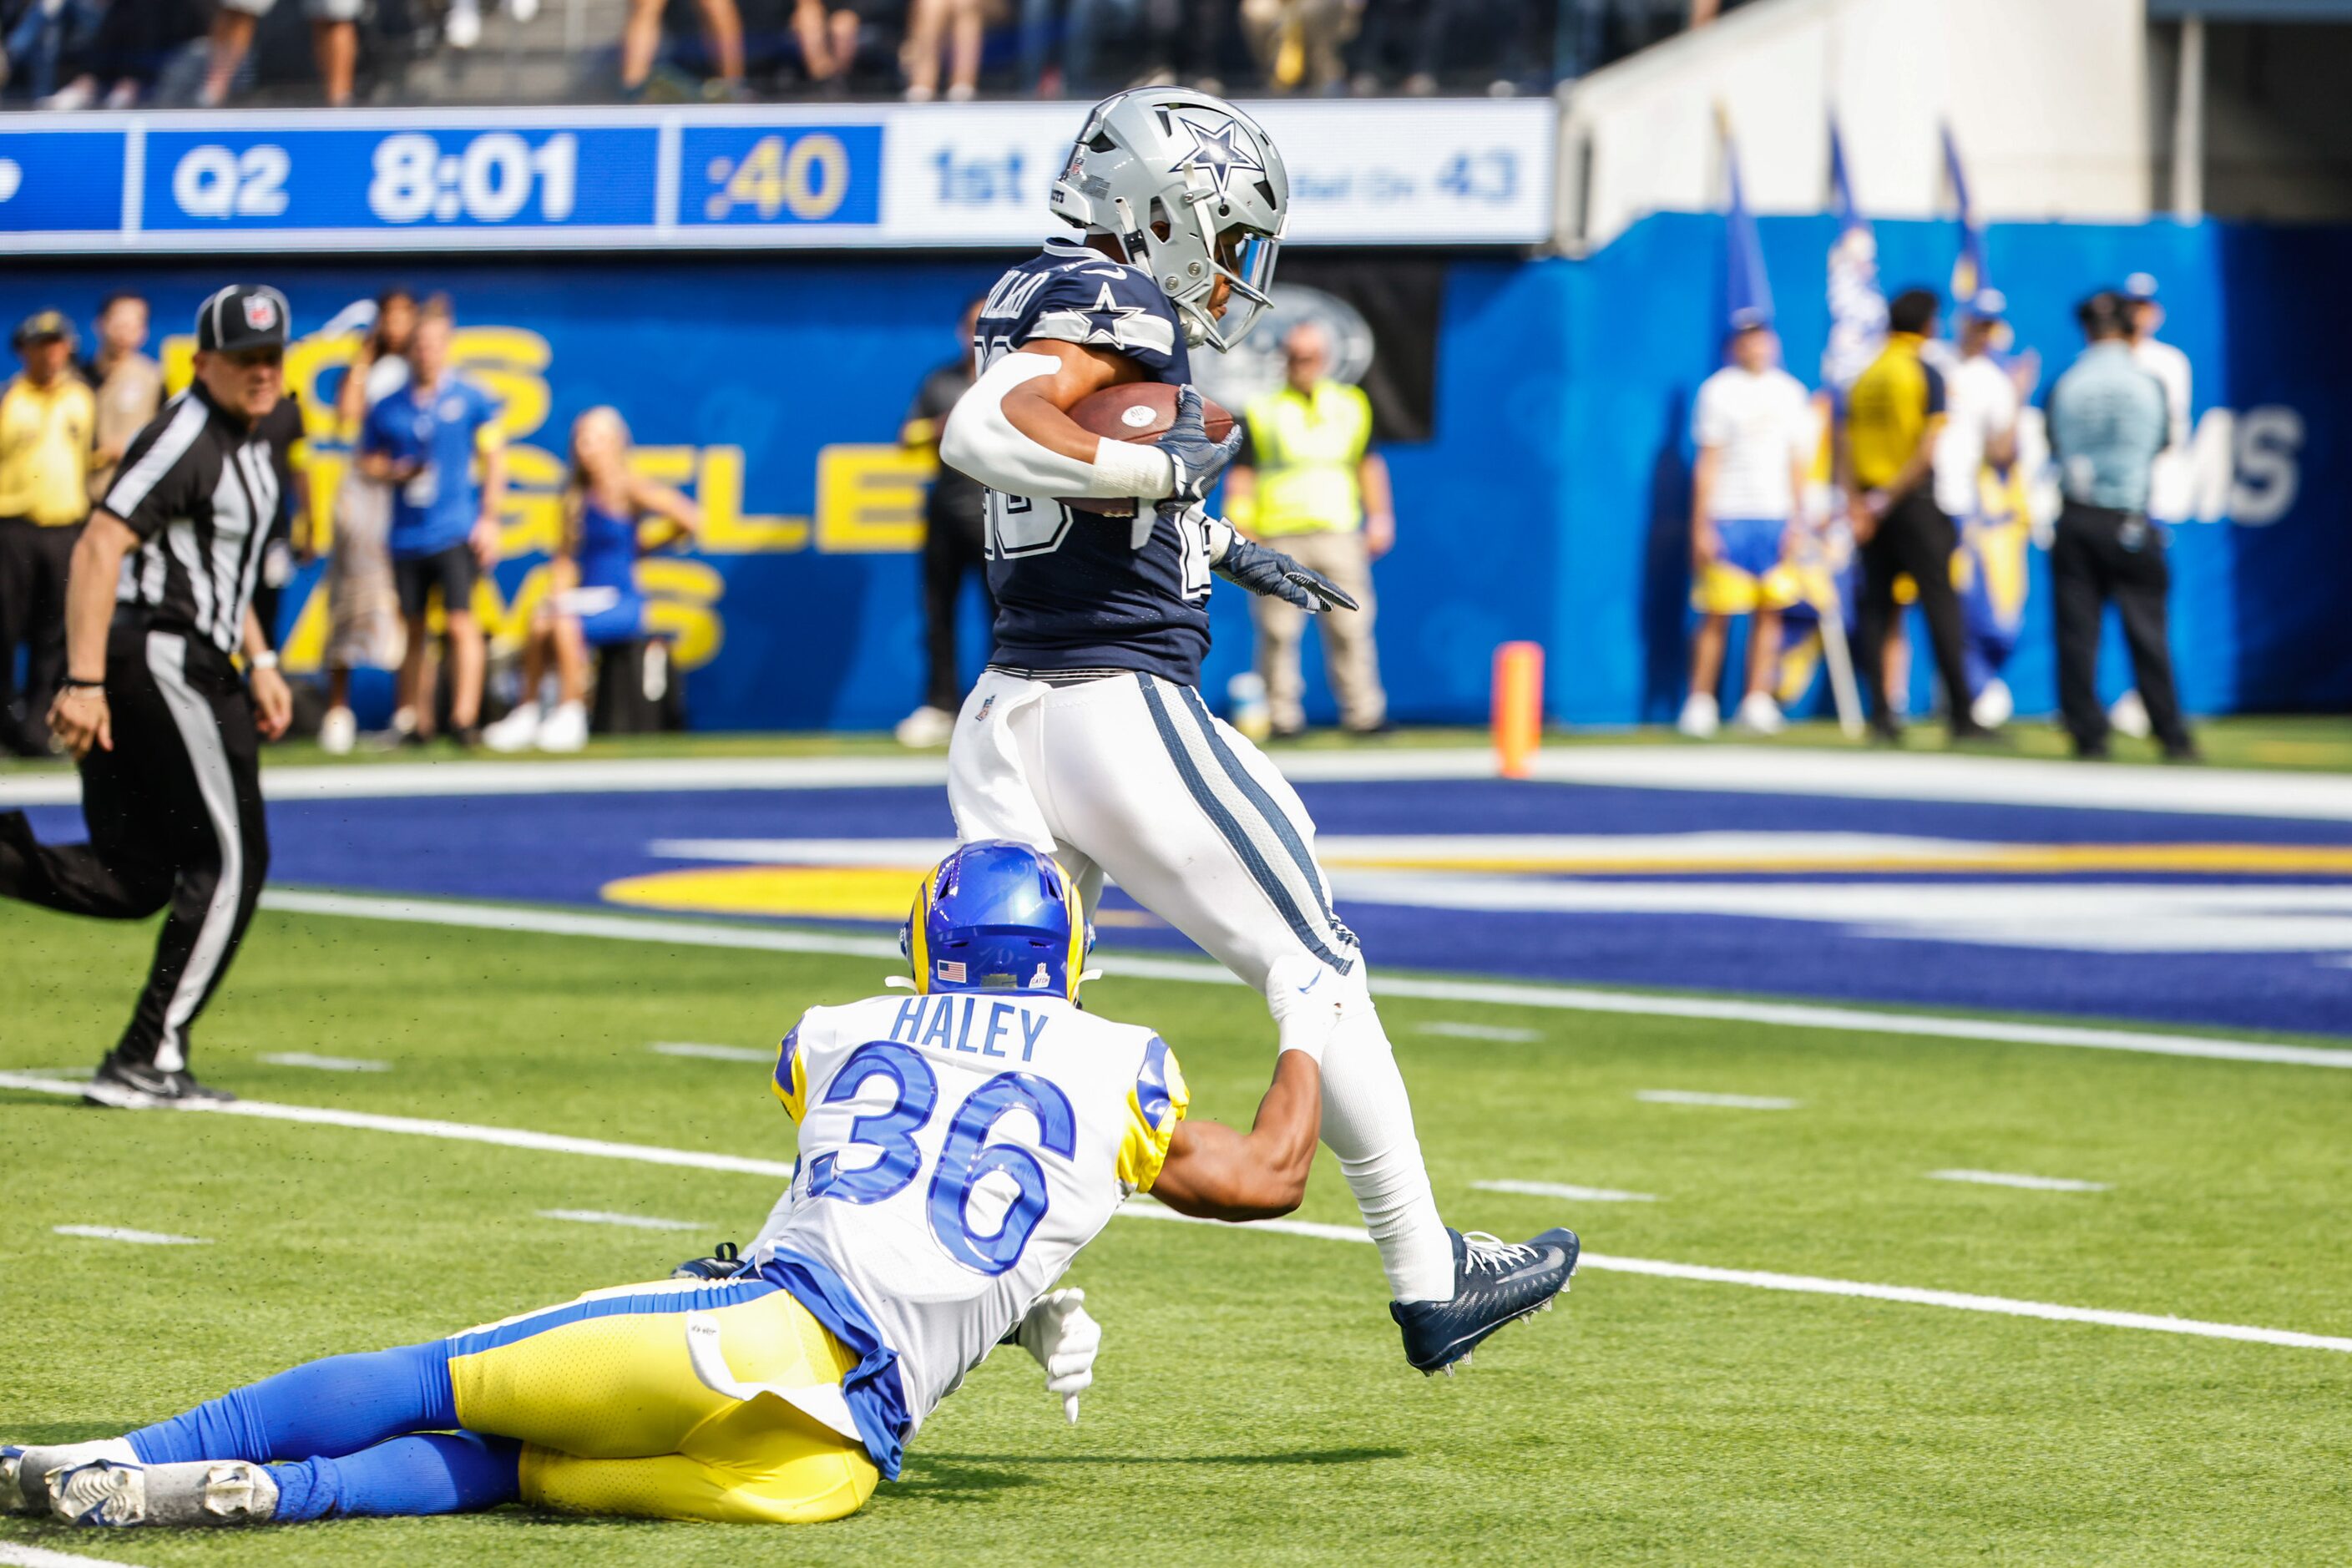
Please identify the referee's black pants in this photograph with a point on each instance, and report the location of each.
(33, 560)
(2102, 554)
(953, 546)
(175, 823)
(1915, 539)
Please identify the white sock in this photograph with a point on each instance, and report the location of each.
(1367, 1123)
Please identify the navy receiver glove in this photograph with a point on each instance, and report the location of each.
(1277, 576)
(724, 1264)
(1196, 461)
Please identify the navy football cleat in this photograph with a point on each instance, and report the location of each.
(1494, 1283)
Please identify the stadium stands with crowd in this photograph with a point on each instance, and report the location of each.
(124, 54)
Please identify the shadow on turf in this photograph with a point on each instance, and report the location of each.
(948, 1475)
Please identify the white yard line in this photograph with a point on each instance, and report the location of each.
(1501, 993)
(1563, 1190)
(1757, 770)
(458, 1132)
(136, 1238)
(1726, 1101)
(325, 1064)
(1804, 1284)
(2031, 1184)
(17, 1556)
(698, 1160)
(1459, 1031)
(627, 1221)
(711, 1053)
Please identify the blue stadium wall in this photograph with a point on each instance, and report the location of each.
(1548, 505)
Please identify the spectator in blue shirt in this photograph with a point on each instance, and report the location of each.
(422, 440)
(2108, 419)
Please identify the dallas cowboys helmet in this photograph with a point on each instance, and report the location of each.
(1165, 158)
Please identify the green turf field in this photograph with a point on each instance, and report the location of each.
(1251, 1406)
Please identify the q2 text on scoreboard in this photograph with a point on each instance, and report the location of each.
(833, 176)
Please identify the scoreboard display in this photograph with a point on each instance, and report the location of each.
(231, 181)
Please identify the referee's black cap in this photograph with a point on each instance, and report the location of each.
(241, 316)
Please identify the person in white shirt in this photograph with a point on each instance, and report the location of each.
(1751, 425)
(1983, 402)
(2172, 483)
(363, 629)
(2161, 360)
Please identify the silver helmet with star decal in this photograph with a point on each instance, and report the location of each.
(1193, 189)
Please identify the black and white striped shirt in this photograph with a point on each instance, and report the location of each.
(200, 488)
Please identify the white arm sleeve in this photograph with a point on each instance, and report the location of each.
(980, 442)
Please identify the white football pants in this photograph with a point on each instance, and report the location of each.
(1132, 776)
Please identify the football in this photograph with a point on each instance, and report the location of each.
(1138, 411)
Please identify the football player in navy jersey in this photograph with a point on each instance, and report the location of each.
(1087, 736)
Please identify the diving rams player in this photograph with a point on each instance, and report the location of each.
(957, 1148)
(1087, 736)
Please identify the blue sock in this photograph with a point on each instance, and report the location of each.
(334, 1406)
(441, 1472)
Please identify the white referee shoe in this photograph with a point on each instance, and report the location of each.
(1700, 717)
(518, 731)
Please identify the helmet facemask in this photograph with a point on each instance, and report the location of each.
(1192, 190)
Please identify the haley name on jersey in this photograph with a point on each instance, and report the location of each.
(1071, 593)
(956, 1151)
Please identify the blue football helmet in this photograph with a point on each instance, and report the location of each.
(997, 916)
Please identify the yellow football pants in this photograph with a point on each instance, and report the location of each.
(614, 1419)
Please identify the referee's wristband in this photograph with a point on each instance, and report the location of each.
(266, 659)
(72, 684)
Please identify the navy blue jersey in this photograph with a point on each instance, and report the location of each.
(1071, 593)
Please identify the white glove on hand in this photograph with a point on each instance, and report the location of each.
(1307, 1000)
(1064, 1339)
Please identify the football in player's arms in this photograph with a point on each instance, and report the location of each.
(958, 1147)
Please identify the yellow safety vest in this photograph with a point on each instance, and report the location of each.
(1307, 451)
(45, 450)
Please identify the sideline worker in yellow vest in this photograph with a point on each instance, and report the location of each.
(47, 423)
(1309, 480)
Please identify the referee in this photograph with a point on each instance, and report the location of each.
(158, 599)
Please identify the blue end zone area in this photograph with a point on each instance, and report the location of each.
(2236, 921)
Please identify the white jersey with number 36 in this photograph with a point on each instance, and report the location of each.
(956, 1151)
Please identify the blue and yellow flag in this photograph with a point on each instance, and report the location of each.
(1747, 288)
(1857, 305)
(1969, 276)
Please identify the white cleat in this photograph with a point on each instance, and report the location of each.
(565, 728)
(337, 732)
(210, 1491)
(1700, 716)
(24, 1469)
(106, 1492)
(518, 731)
(464, 27)
(1759, 715)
